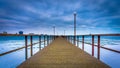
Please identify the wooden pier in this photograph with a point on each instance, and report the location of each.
(62, 54)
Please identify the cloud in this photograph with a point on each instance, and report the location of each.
(8, 21)
(43, 14)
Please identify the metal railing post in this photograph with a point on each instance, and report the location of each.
(44, 40)
(71, 39)
(47, 41)
(31, 47)
(98, 47)
(82, 42)
(39, 43)
(67, 38)
(77, 41)
(92, 45)
(50, 39)
(26, 52)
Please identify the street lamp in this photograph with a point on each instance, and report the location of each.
(74, 28)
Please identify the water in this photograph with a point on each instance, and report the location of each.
(16, 58)
(106, 56)
(12, 60)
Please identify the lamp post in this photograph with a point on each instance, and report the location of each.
(74, 28)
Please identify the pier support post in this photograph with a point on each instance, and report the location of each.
(98, 47)
(26, 51)
(82, 42)
(31, 47)
(92, 45)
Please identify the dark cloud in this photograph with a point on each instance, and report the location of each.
(43, 14)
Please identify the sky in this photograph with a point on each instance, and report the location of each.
(39, 16)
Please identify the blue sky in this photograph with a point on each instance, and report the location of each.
(39, 16)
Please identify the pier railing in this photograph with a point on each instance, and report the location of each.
(71, 39)
(45, 39)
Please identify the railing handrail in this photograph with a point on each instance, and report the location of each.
(116, 34)
(4, 53)
(70, 38)
(1, 34)
(100, 35)
(117, 51)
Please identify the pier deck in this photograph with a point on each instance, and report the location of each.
(62, 54)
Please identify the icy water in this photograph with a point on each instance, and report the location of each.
(14, 59)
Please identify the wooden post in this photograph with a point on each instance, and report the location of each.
(92, 45)
(82, 42)
(31, 47)
(26, 52)
(98, 47)
(39, 43)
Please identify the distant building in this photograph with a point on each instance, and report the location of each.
(31, 33)
(4, 32)
(20, 32)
